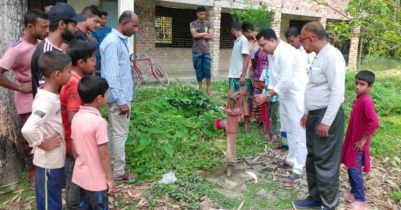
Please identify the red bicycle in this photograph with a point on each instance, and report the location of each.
(157, 71)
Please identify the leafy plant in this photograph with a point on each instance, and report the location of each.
(260, 16)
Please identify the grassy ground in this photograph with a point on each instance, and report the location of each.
(172, 130)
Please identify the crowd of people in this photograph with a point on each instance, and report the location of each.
(61, 82)
(69, 65)
(302, 82)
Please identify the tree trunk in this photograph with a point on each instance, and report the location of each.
(11, 163)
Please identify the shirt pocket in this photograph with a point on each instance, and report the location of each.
(316, 75)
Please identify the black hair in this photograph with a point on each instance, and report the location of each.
(201, 9)
(316, 28)
(54, 24)
(266, 33)
(125, 16)
(247, 26)
(293, 31)
(367, 76)
(236, 25)
(89, 87)
(104, 13)
(52, 61)
(90, 11)
(79, 49)
(32, 15)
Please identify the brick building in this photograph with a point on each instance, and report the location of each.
(165, 27)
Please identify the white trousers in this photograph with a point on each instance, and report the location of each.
(291, 113)
(117, 132)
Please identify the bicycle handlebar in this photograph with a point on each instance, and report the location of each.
(145, 54)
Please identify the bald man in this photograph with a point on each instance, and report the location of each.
(323, 119)
(116, 68)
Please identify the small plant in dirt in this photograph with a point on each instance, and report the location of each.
(186, 191)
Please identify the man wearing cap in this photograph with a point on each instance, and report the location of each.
(63, 24)
(117, 71)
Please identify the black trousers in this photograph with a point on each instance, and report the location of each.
(323, 159)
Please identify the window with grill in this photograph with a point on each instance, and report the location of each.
(172, 28)
(163, 29)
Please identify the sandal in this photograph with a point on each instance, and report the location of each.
(126, 177)
(278, 146)
(348, 197)
(357, 206)
(292, 178)
(283, 164)
(217, 125)
(31, 183)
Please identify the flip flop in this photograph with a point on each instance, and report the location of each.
(282, 164)
(348, 197)
(126, 177)
(356, 206)
(293, 177)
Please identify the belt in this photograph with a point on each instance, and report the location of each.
(318, 111)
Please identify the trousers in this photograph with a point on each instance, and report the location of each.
(290, 115)
(323, 159)
(356, 178)
(117, 132)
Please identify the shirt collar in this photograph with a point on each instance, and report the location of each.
(239, 38)
(89, 110)
(47, 40)
(363, 95)
(119, 34)
(323, 50)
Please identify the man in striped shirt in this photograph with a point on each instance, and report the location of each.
(63, 24)
(116, 68)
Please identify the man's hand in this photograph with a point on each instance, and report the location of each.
(360, 144)
(272, 92)
(323, 130)
(242, 80)
(303, 121)
(261, 98)
(124, 110)
(26, 87)
(111, 185)
(50, 143)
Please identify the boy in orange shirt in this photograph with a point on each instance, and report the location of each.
(83, 61)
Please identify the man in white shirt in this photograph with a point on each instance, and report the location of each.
(292, 36)
(288, 79)
(323, 119)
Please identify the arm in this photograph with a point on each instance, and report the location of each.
(209, 35)
(111, 72)
(197, 35)
(94, 36)
(104, 154)
(245, 51)
(335, 73)
(31, 130)
(286, 65)
(23, 87)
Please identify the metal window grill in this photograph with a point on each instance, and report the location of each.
(172, 28)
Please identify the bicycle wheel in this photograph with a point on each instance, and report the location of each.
(136, 78)
(160, 75)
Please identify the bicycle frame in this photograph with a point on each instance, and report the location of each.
(150, 67)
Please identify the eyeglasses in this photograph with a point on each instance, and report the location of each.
(305, 38)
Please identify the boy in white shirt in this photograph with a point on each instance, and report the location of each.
(49, 154)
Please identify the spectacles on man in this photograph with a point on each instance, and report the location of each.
(301, 39)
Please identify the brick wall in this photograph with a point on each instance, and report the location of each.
(178, 61)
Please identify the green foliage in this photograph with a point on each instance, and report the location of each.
(186, 191)
(259, 16)
(396, 196)
(379, 21)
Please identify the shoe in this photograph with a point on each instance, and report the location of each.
(325, 208)
(308, 203)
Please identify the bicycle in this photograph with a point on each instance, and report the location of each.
(157, 71)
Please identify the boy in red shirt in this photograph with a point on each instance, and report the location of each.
(363, 123)
(92, 171)
(83, 61)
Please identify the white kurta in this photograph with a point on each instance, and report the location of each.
(288, 78)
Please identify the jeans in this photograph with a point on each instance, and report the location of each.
(202, 64)
(356, 178)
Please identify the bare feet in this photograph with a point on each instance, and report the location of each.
(208, 91)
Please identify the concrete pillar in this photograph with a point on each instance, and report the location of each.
(215, 19)
(353, 50)
(276, 21)
(127, 5)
